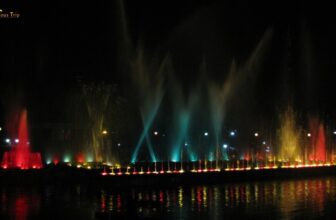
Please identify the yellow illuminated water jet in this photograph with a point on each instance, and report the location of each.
(289, 137)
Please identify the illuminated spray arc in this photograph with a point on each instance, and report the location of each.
(221, 95)
(97, 98)
(183, 113)
(149, 79)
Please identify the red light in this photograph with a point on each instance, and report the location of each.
(80, 158)
(103, 173)
(55, 161)
(119, 173)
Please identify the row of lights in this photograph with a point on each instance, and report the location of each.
(119, 173)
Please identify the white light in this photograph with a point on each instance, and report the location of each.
(119, 144)
(256, 134)
(156, 133)
(264, 142)
(308, 135)
(0, 128)
(16, 140)
(7, 140)
(225, 146)
(186, 144)
(206, 133)
(333, 132)
(232, 133)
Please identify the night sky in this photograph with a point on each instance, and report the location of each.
(54, 45)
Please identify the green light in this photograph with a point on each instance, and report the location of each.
(211, 156)
(89, 158)
(66, 159)
(147, 121)
(182, 130)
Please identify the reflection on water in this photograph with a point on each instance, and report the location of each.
(309, 199)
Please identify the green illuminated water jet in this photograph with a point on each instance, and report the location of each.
(149, 78)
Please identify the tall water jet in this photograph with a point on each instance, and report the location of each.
(317, 141)
(218, 101)
(97, 99)
(183, 110)
(20, 156)
(148, 77)
(289, 137)
(220, 95)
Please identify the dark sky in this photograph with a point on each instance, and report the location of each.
(55, 43)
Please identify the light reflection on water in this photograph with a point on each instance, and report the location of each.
(309, 199)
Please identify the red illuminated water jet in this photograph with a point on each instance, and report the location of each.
(318, 142)
(20, 156)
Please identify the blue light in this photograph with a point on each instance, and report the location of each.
(232, 133)
(225, 146)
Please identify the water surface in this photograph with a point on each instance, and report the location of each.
(299, 199)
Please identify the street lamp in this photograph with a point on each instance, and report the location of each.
(256, 134)
(206, 133)
(104, 132)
